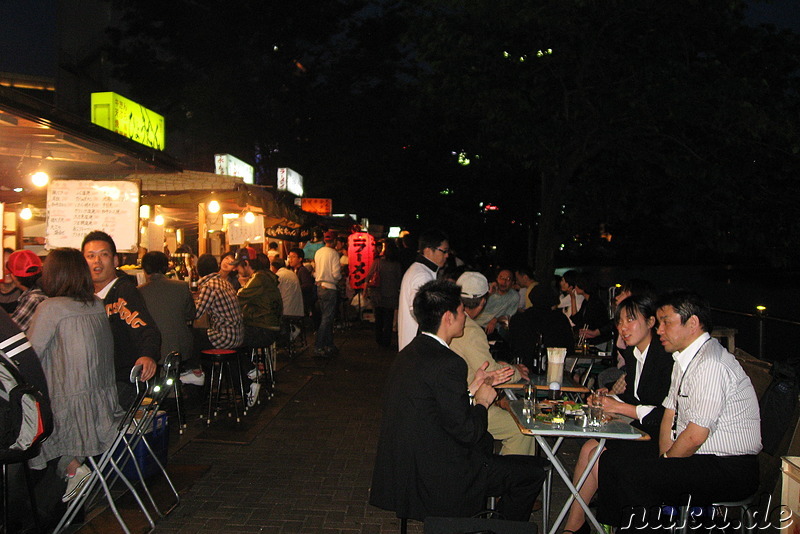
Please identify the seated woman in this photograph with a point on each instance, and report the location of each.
(71, 335)
(649, 369)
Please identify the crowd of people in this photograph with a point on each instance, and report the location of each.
(459, 334)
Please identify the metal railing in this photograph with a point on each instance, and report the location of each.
(761, 316)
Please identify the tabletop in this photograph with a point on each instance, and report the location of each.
(540, 382)
(617, 428)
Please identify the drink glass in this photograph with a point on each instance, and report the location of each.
(555, 364)
(529, 399)
(597, 412)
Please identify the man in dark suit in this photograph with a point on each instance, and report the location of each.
(434, 453)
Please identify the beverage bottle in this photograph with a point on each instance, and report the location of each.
(183, 271)
(195, 279)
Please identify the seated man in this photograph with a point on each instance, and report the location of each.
(501, 304)
(539, 323)
(710, 433)
(473, 347)
(434, 453)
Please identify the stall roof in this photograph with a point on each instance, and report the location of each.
(34, 135)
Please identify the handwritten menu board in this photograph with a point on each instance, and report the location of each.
(76, 207)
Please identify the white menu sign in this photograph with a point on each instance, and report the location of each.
(76, 207)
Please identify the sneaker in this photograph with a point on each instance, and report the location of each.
(252, 374)
(252, 397)
(191, 378)
(76, 482)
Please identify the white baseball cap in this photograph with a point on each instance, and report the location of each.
(473, 285)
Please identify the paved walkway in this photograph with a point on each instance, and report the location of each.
(308, 468)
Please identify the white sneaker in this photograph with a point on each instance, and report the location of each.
(252, 374)
(252, 397)
(189, 377)
(76, 482)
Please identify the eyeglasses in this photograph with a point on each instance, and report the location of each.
(443, 251)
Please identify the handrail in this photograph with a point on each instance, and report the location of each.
(763, 316)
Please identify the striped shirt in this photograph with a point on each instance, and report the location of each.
(710, 389)
(217, 297)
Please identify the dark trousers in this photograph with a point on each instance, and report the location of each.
(517, 480)
(632, 490)
(384, 317)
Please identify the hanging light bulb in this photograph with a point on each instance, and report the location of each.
(40, 179)
(159, 220)
(213, 206)
(26, 214)
(249, 217)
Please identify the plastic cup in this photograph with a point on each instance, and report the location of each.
(555, 364)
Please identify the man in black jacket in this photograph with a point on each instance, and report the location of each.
(434, 453)
(137, 339)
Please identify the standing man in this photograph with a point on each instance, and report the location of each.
(473, 347)
(307, 285)
(710, 432)
(328, 272)
(434, 453)
(26, 270)
(433, 251)
(502, 304)
(137, 340)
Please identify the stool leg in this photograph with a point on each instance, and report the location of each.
(232, 392)
(176, 386)
(270, 357)
(211, 393)
(241, 384)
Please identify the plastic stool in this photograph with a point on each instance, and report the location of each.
(220, 360)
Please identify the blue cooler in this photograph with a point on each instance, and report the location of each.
(158, 438)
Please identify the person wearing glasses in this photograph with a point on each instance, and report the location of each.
(501, 305)
(710, 433)
(434, 248)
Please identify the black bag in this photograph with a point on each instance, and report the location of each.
(26, 418)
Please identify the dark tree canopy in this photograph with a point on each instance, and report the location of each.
(668, 124)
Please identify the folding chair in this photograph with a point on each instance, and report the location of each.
(108, 468)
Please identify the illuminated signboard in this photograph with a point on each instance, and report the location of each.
(291, 181)
(360, 255)
(320, 206)
(231, 166)
(127, 118)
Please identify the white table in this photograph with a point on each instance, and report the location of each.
(614, 429)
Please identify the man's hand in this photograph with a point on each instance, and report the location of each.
(491, 326)
(485, 394)
(148, 368)
(496, 377)
(588, 333)
(523, 371)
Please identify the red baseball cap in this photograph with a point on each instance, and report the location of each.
(22, 263)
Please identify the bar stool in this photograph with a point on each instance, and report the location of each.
(171, 368)
(220, 360)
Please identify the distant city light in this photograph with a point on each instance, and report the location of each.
(446, 191)
(463, 159)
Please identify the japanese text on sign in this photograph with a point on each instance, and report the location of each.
(361, 254)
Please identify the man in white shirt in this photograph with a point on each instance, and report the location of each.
(710, 433)
(327, 273)
(433, 251)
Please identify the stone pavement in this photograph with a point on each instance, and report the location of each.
(308, 469)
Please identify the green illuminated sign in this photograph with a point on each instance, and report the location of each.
(128, 118)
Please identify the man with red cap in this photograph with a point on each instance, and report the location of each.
(327, 272)
(26, 269)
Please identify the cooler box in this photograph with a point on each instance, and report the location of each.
(158, 438)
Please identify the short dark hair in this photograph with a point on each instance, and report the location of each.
(586, 282)
(635, 305)
(273, 245)
(65, 273)
(299, 252)
(29, 281)
(99, 235)
(207, 264)
(570, 277)
(687, 303)
(638, 286)
(260, 262)
(471, 303)
(431, 238)
(433, 300)
(155, 262)
(278, 263)
(526, 270)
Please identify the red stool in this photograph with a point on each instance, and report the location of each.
(220, 361)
